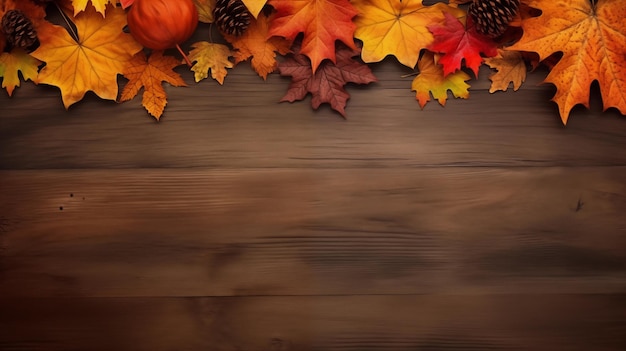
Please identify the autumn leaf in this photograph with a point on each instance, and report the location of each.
(255, 6)
(327, 83)
(398, 28)
(14, 61)
(458, 43)
(592, 38)
(205, 10)
(431, 79)
(91, 63)
(322, 21)
(510, 67)
(99, 5)
(254, 43)
(149, 73)
(210, 57)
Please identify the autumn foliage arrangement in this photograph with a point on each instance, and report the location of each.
(321, 44)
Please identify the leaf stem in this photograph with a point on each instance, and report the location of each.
(410, 75)
(67, 21)
(184, 55)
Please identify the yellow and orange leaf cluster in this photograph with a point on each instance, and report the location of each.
(580, 41)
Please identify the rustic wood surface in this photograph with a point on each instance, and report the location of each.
(239, 223)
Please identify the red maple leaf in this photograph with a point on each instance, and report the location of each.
(322, 21)
(327, 83)
(457, 42)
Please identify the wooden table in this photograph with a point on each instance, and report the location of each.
(241, 223)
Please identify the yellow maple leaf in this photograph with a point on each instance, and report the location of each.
(210, 56)
(14, 61)
(99, 5)
(510, 67)
(592, 38)
(149, 73)
(255, 43)
(255, 6)
(431, 80)
(205, 10)
(90, 64)
(398, 28)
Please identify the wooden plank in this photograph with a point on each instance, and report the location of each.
(346, 323)
(180, 232)
(241, 125)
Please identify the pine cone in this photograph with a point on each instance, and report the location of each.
(231, 16)
(492, 17)
(19, 30)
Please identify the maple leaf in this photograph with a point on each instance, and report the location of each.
(99, 5)
(458, 43)
(149, 73)
(126, 3)
(14, 61)
(91, 63)
(210, 57)
(322, 21)
(431, 79)
(510, 67)
(325, 84)
(398, 28)
(592, 38)
(255, 6)
(255, 43)
(205, 10)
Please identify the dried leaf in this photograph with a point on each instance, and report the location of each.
(205, 10)
(510, 67)
(431, 79)
(256, 44)
(210, 57)
(326, 84)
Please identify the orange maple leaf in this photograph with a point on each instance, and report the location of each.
(592, 38)
(322, 21)
(255, 43)
(431, 79)
(149, 73)
(398, 28)
(90, 63)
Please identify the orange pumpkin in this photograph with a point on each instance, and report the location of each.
(162, 24)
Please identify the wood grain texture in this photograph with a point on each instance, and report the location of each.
(241, 223)
(331, 231)
(241, 125)
(346, 323)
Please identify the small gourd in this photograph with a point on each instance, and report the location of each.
(162, 24)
